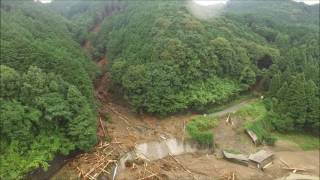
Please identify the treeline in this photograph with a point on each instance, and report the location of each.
(294, 104)
(293, 91)
(164, 60)
(86, 16)
(83, 14)
(47, 105)
(27, 38)
(41, 115)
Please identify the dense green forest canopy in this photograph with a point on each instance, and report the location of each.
(33, 35)
(46, 97)
(83, 14)
(86, 15)
(162, 60)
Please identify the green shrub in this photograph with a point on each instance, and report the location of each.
(280, 122)
(202, 137)
(198, 129)
(262, 127)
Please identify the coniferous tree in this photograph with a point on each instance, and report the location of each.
(296, 103)
(275, 84)
(312, 106)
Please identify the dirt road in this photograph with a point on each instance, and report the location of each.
(232, 108)
(127, 128)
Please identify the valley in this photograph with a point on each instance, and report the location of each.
(150, 90)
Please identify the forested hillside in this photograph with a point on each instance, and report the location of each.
(161, 59)
(85, 16)
(293, 91)
(165, 60)
(47, 104)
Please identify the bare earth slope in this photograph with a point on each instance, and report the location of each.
(126, 129)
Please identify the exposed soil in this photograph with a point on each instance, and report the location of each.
(232, 137)
(87, 46)
(209, 166)
(127, 128)
(130, 129)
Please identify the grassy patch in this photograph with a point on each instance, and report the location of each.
(252, 111)
(304, 141)
(198, 129)
(256, 118)
(262, 128)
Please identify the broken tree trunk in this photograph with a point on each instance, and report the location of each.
(147, 177)
(295, 169)
(102, 126)
(188, 171)
(115, 172)
(228, 119)
(266, 166)
(284, 162)
(253, 137)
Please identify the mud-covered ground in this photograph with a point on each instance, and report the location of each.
(129, 129)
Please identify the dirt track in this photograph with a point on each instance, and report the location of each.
(231, 109)
(128, 128)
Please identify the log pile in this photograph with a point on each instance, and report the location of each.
(142, 169)
(145, 170)
(148, 173)
(104, 157)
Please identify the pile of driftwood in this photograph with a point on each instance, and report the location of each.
(148, 173)
(144, 169)
(155, 170)
(101, 161)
